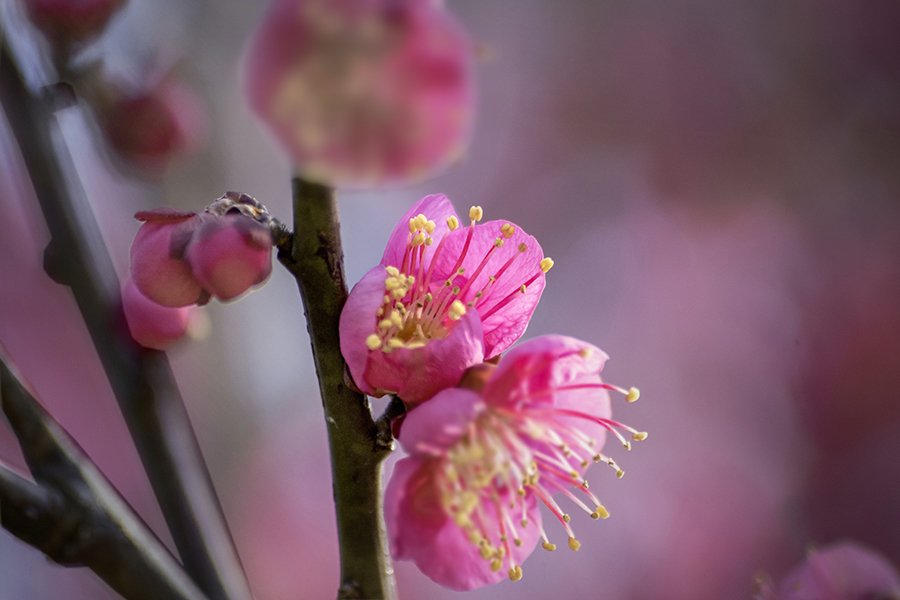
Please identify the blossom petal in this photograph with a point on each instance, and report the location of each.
(420, 531)
(532, 370)
(418, 374)
(358, 322)
(156, 274)
(505, 309)
(435, 207)
(440, 422)
(153, 325)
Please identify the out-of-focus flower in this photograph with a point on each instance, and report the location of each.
(67, 21)
(153, 129)
(153, 325)
(844, 571)
(362, 92)
(427, 312)
(463, 505)
(180, 258)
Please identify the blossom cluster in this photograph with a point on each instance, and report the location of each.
(181, 258)
(489, 436)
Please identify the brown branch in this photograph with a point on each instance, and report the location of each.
(73, 514)
(141, 379)
(314, 256)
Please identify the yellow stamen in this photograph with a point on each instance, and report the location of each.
(417, 240)
(452, 223)
(600, 512)
(546, 264)
(496, 565)
(373, 342)
(429, 227)
(548, 546)
(515, 574)
(498, 242)
(457, 310)
(574, 544)
(640, 436)
(508, 230)
(392, 271)
(633, 394)
(476, 214)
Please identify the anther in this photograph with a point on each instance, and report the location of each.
(373, 342)
(627, 445)
(496, 565)
(517, 542)
(429, 227)
(524, 523)
(429, 241)
(523, 288)
(452, 223)
(457, 310)
(417, 240)
(633, 394)
(475, 213)
(546, 264)
(574, 544)
(566, 518)
(548, 546)
(640, 436)
(515, 574)
(392, 271)
(498, 242)
(522, 247)
(508, 230)
(600, 512)
(620, 473)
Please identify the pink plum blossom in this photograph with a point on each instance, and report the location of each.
(844, 571)
(153, 325)
(442, 299)
(67, 21)
(463, 504)
(180, 258)
(153, 129)
(362, 92)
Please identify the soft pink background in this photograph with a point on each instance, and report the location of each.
(717, 181)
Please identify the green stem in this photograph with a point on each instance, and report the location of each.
(315, 258)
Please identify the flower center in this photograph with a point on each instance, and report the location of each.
(417, 308)
(505, 456)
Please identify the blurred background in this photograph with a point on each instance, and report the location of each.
(718, 182)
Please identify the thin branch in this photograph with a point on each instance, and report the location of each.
(141, 379)
(73, 514)
(385, 435)
(315, 258)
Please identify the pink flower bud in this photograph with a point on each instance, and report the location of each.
(153, 325)
(156, 265)
(362, 92)
(67, 21)
(229, 255)
(152, 130)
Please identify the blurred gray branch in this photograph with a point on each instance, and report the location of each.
(141, 379)
(73, 514)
